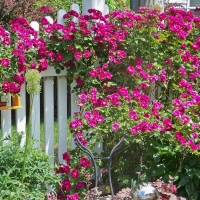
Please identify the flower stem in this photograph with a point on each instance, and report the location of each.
(27, 140)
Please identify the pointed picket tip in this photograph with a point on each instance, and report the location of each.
(60, 15)
(76, 8)
(49, 19)
(94, 4)
(35, 25)
(105, 10)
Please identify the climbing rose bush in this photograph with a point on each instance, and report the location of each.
(134, 73)
(21, 49)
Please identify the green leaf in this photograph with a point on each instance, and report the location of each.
(197, 170)
(183, 181)
(7, 192)
(159, 171)
(189, 188)
(62, 67)
(196, 181)
(143, 39)
(178, 127)
(58, 71)
(152, 151)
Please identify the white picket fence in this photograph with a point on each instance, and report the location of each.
(48, 77)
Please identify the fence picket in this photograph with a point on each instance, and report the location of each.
(20, 117)
(49, 116)
(74, 108)
(76, 8)
(62, 116)
(60, 15)
(35, 120)
(95, 4)
(105, 9)
(35, 25)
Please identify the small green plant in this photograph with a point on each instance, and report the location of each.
(37, 176)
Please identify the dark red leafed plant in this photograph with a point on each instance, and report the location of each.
(167, 191)
(19, 8)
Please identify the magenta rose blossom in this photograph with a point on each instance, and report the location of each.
(5, 87)
(78, 55)
(66, 156)
(79, 81)
(43, 65)
(63, 169)
(93, 73)
(19, 78)
(130, 70)
(102, 170)
(74, 196)
(45, 9)
(85, 162)
(115, 126)
(80, 185)
(74, 173)
(195, 135)
(5, 62)
(66, 185)
(86, 54)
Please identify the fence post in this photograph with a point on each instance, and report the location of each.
(62, 116)
(134, 5)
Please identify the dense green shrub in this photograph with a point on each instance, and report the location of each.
(39, 174)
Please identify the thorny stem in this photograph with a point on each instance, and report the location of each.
(181, 162)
